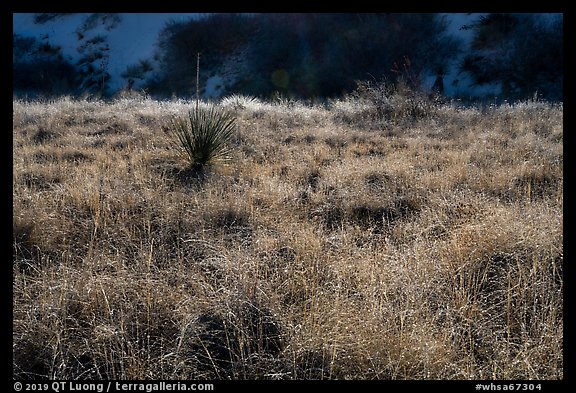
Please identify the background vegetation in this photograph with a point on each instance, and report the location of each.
(306, 55)
(520, 51)
(46, 71)
(310, 55)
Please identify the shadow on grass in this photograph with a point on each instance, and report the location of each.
(190, 177)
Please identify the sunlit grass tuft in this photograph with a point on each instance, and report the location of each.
(205, 135)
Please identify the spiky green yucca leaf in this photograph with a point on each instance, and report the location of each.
(204, 135)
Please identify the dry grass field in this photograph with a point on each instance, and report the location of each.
(345, 241)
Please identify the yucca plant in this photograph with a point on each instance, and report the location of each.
(204, 136)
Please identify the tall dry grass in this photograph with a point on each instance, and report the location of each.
(339, 243)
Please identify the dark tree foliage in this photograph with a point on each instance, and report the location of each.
(311, 55)
(306, 55)
(47, 17)
(214, 37)
(92, 66)
(325, 54)
(523, 52)
(40, 68)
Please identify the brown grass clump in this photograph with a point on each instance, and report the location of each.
(334, 245)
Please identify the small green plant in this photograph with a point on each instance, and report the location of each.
(204, 136)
